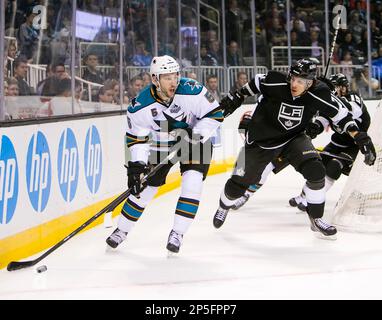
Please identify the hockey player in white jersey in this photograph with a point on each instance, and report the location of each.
(170, 103)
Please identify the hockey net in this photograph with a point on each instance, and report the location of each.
(359, 208)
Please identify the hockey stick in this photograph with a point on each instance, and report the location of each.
(332, 46)
(17, 265)
(325, 153)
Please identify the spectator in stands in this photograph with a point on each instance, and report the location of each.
(214, 51)
(376, 12)
(241, 80)
(233, 56)
(91, 73)
(106, 94)
(13, 87)
(360, 82)
(297, 24)
(135, 86)
(314, 43)
(205, 58)
(212, 86)
(348, 61)
(114, 85)
(20, 66)
(141, 57)
(11, 53)
(60, 47)
(233, 20)
(376, 35)
(42, 83)
(27, 36)
(47, 87)
(356, 27)
(211, 35)
(360, 9)
(301, 37)
(64, 12)
(277, 35)
(61, 104)
(347, 45)
(276, 12)
(146, 79)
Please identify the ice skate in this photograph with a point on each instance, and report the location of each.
(241, 202)
(325, 230)
(220, 216)
(116, 238)
(299, 202)
(174, 242)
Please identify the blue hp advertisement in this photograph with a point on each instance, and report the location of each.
(68, 165)
(93, 159)
(38, 171)
(9, 180)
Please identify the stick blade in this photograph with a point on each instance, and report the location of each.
(17, 265)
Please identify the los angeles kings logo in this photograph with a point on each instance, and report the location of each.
(290, 116)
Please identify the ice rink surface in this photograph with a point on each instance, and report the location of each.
(264, 251)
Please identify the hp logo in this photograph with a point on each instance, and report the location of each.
(39, 171)
(67, 165)
(9, 180)
(93, 159)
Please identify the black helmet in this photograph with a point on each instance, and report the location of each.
(304, 68)
(339, 79)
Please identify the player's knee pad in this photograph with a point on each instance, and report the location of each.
(313, 171)
(334, 169)
(192, 182)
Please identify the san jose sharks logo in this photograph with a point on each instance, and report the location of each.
(193, 84)
(179, 122)
(290, 116)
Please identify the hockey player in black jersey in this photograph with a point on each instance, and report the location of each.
(341, 144)
(285, 106)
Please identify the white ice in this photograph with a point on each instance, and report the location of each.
(264, 251)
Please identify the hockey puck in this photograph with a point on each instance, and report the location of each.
(41, 269)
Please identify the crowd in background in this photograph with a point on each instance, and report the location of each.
(99, 65)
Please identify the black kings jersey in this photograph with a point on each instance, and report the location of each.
(278, 117)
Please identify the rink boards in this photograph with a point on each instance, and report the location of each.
(55, 176)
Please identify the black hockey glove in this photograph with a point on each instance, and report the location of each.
(245, 121)
(135, 172)
(313, 129)
(231, 102)
(366, 146)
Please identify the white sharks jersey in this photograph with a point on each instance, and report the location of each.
(151, 122)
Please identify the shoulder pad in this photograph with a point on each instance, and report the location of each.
(189, 87)
(319, 86)
(143, 100)
(275, 77)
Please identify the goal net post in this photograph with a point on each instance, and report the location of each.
(359, 208)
